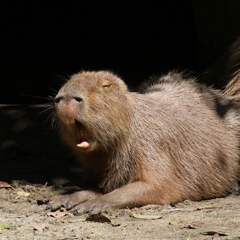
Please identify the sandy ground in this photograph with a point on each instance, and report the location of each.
(39, 168)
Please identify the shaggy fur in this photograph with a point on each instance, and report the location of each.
(225, 72)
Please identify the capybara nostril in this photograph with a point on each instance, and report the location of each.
(78, 99)
(57, 100)
(67, 99)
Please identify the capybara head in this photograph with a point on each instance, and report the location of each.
(92, 110)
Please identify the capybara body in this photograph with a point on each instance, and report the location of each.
(175, 140)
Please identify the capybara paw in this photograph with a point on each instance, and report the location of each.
(59, 202)
(66, 201)
(94, 206)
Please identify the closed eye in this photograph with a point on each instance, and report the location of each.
(107, 86)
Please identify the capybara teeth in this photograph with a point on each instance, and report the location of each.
(69, 120)
(84, 144)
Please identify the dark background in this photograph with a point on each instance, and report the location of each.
(43, 43)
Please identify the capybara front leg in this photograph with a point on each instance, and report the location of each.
(132, 195)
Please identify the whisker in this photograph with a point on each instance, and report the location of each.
(54, 91)
(62, 78)
(45, 105)
(46, 98)
(66, 77)
(51, 115)
(53, 118)
(46, 110)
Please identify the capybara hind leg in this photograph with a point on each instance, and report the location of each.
(71, 200)
(132, 195)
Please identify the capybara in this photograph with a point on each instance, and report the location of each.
(225, 72)
(175, 140)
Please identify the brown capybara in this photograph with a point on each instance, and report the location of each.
(225, 72)
(176, 140)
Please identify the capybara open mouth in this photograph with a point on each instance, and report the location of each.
(82, 138)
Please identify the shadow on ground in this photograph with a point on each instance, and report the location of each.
(31, 149)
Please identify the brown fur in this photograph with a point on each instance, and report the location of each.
(176, 140)
(225, 72)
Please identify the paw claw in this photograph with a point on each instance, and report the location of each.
(68, 206)
(49, 205)
(76, 212)
(92, 212)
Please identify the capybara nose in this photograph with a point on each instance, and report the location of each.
(67, 99)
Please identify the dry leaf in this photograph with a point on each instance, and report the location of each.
(216, 233)
(118, 224)
(22, 193)
(97, 232)
(40, 226)
(57, 214)
(210, 207)
(5, 185)
(146, 217)
(98, 218)
(190, 226)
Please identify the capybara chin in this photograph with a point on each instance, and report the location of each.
(176, 140)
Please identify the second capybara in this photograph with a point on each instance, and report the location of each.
(225, 72)
(175, 140)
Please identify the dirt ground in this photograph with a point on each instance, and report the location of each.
(39, 168)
